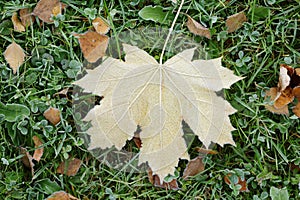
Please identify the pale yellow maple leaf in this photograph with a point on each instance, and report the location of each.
(141, 92)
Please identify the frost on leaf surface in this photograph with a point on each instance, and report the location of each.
(141, 92)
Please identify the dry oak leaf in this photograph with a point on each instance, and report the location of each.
(26, 17)
(15, 56)
(69, 167)
(18, 26)
(38, 153)
(45, 9)
(141, 92)
(93, 45)
(194, 167)
(61, 195)
(52, 115)
(234, 22)
(100, 25)
(27, 160)
(197, 28)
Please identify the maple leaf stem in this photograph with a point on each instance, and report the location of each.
(169, 34)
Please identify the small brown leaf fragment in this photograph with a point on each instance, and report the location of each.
(297, 71)
(154, 179)
(206, 151)
(26, 17)
(296, 110)
(69, 167)
(15, 56)
(296, 92)
(193, 168)
(242, 183)
(62, 93)
(100, 25)
(137, 140)
(197, 28)
(18, 26)
(234, 22)
(285, 97)
(38, 153)
(27, 160)
(273, 94)
(58, 9)
(61, 195)
(93, 45)
(52, 115)
(44, 9)
(284, 78)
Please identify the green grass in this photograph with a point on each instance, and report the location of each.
(267, 145)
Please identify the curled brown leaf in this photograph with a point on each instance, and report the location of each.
(38, 153)
(93, 45)
(234, 22)
(197, 28)
(194, 167)
(69, 167)
(52, 115)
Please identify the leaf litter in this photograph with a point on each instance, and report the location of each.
(45, 9)
(69, 167)
(18, 26)
(234, 22)
(14, 56)
(52, 115)
(93, 45)
(197, 28)
(141, 92)
(38, 153)
(288, 89)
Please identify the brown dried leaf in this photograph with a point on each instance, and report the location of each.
(206, 151)
(38, 153)
(285, 97)
(137, 140)
(58, 9)
(15, 56)
(26, 17)
(93, 45)
(44, 9)
(197, 28)
(154, 179)
(297, 71)
(62, 93)
(52, 115)
(284, 78)
(240, 182)
(296, 110)
(61, 195)
(18, 26)
(296, 92)
(69, 167)
(100, 25)
(273, 94)
(27, 160)
(193, 168)
(234, 22)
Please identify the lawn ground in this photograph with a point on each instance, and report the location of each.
(267, 145)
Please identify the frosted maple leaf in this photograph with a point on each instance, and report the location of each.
(157, 98)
